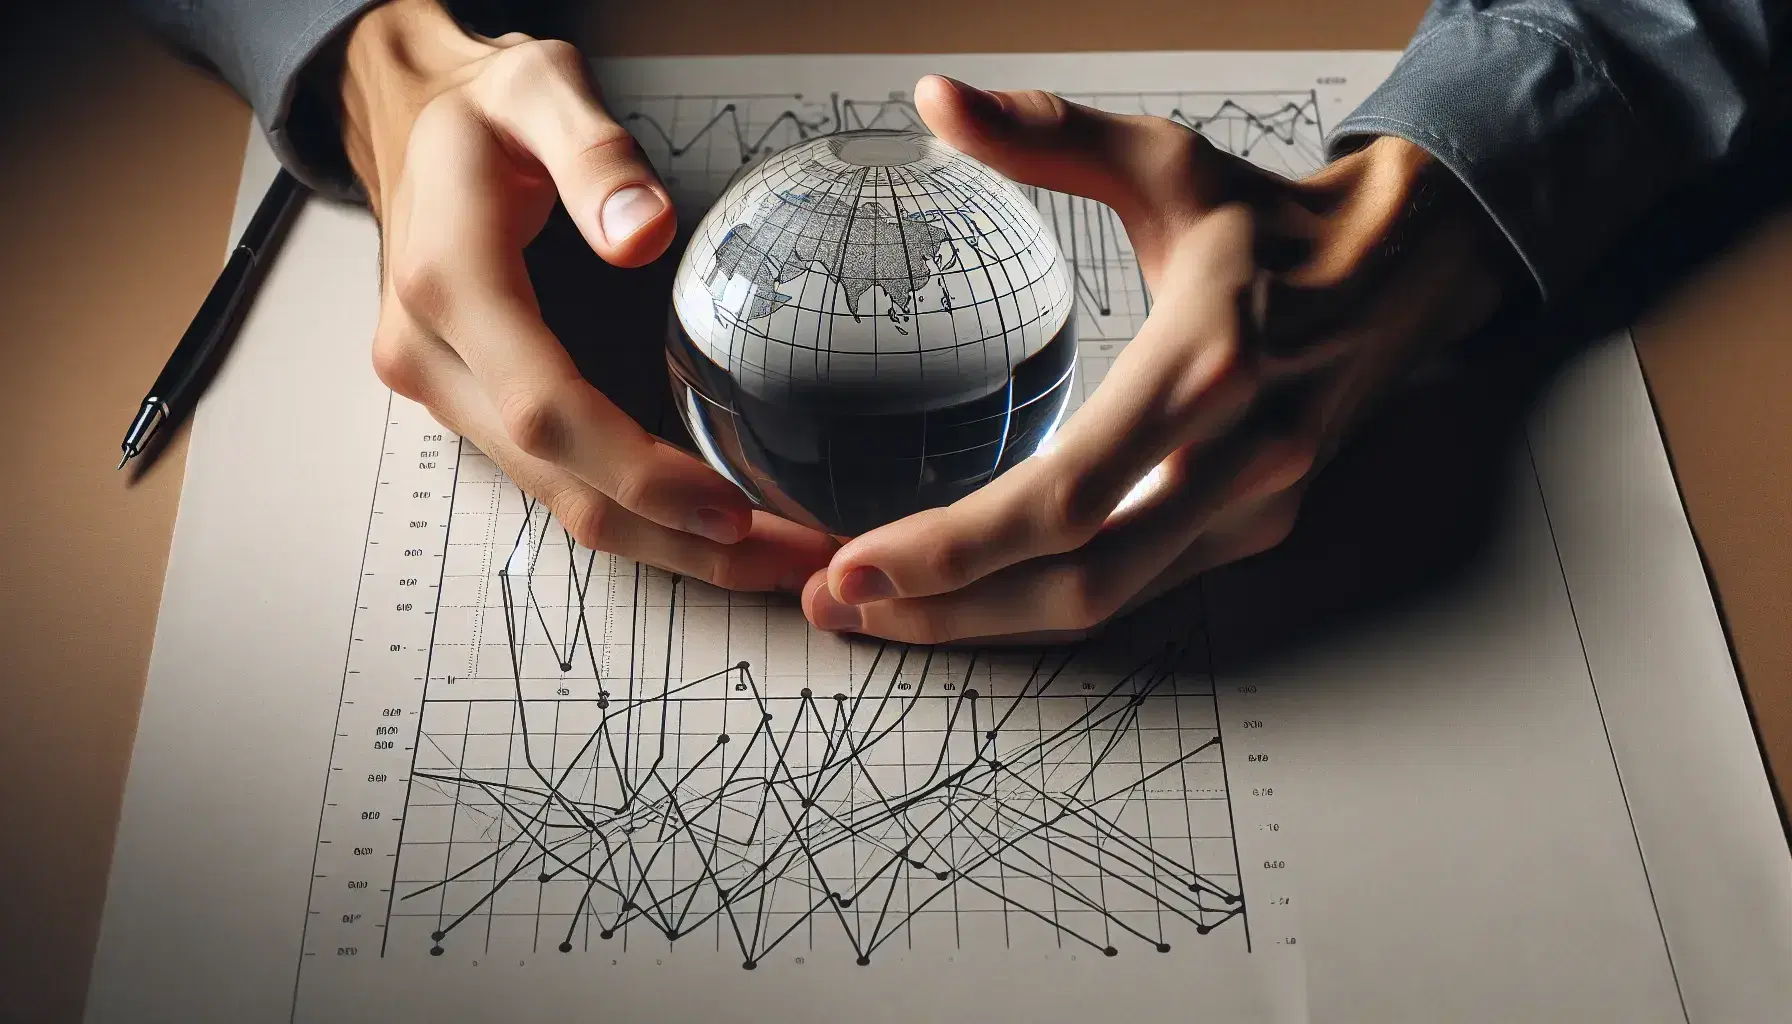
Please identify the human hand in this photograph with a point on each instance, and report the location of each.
(463, 145)
(1281, 309)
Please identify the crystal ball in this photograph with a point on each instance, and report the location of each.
(869, 324)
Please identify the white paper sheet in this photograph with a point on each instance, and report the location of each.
(1536, 798)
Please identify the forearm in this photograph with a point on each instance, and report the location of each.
(1568, 120)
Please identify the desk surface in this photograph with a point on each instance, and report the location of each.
(122, 168)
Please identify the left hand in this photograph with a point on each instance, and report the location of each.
(1280, 309)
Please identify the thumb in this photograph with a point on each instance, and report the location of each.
(1148, 169)
(539, 94)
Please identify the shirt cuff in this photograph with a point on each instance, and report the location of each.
(282, 58)
(1528, 118)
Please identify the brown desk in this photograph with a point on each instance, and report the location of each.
(117, 187)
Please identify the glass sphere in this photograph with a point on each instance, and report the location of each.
(869, 324)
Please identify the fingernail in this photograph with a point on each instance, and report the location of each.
(627, 210)
(833, 616)
(866, 584)
(715, 524)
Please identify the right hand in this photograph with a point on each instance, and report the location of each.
(463, 144)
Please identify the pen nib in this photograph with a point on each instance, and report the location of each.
(121, 462)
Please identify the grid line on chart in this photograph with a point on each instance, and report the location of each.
(671, 765)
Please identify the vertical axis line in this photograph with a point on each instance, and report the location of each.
(410, 774)
(1219, 732)
(342, 692)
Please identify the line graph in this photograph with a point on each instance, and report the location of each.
(1280, 130)
(606, 773)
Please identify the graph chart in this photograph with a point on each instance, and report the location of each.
(547, 752)
(614, 756)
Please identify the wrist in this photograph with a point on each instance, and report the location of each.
(1376, 210)
(398, 57)
(1372, 200)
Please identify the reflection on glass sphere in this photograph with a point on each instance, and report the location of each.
(869, 324)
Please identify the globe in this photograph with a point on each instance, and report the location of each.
(869, 324)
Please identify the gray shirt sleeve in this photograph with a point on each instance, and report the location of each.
(261, 47)
(1567, 120)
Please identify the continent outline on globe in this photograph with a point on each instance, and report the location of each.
(861, 248)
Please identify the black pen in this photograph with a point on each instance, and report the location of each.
(213, 327)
